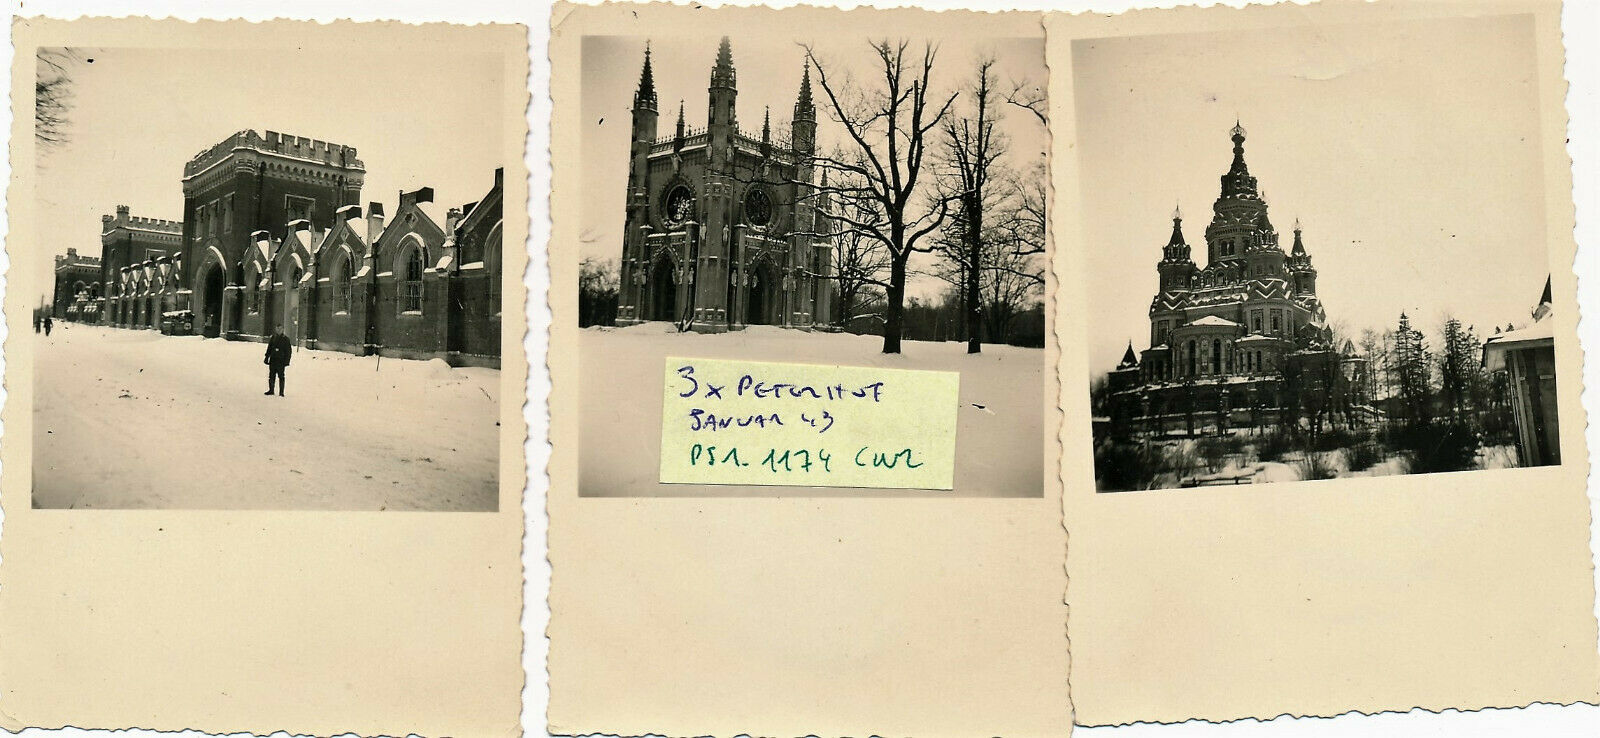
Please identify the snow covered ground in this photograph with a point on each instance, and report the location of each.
(999, 447)
(134, 419)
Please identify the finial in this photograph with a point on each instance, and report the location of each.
(1238, 130)
(1177, 211)
(1296, 224)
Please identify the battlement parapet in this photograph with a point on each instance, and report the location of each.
(299, 147)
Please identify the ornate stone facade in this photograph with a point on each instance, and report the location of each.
(723, 228)
(1226, 336)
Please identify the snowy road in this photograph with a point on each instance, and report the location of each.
(133, 419)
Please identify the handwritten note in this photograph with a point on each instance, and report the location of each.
(746, 422)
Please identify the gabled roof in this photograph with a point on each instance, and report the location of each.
(1216, 321)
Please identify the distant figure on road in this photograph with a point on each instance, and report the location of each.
(278, 350)
(47, 326)
(37, 324)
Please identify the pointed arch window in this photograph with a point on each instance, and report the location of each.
(339, 281)
(252, 287)
(411, 267)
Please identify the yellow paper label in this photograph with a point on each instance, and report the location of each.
(749, 422)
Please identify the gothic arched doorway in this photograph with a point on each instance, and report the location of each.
(663, 292)
(211, 289)
(758, 309)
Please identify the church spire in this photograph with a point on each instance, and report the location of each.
(645, 97)
(766, 125)
(803, 126)
(722, 74)
(1299, 246)
(802, 103)
(1177, 228)
(680, 119)
(1238, 150)
(1237, 183)
(1130, 360)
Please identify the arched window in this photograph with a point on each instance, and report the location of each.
(252, 286)
(1216, 356)
(339, 282)
(491, 268)
(411, 284)
(1191, 359)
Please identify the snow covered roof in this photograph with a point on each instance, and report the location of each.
(1258, 338)
(1541, 333)
(1213, 320)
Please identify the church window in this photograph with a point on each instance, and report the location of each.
(339, 280)
(1216, 356)
(411, 287)
(1191, 359)
(1255, 321)
(1161, 332)
(758, 208)
(679, 207)
(1277, 322)
(227, 213)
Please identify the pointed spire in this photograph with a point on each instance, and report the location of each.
(1238, 149)
(1177, 210)
(722, 74)
(766, 125)
(645, 97)
(680, 119)
(804, 108)
(1177, 230)
(1299, 245)
(1129, 359)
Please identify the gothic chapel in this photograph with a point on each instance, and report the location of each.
(724, 227)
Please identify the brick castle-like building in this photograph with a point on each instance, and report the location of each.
(1224, 336)
(273, 236)
(724, 227)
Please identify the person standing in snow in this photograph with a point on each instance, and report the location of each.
(46, 326)
(277, 359)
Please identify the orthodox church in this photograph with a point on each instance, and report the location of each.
(725, 226)
(1238, 321)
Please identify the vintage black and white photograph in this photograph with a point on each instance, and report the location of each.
(277, 278)
(1384, 310)
(841, 200)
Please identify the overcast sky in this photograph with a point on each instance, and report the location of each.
(768, 75)
(1410, 152)
(139, 114)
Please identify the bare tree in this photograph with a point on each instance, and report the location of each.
(52, 96)
(860, 264)
(1032, 98)
(881, 165)
(972, 146)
